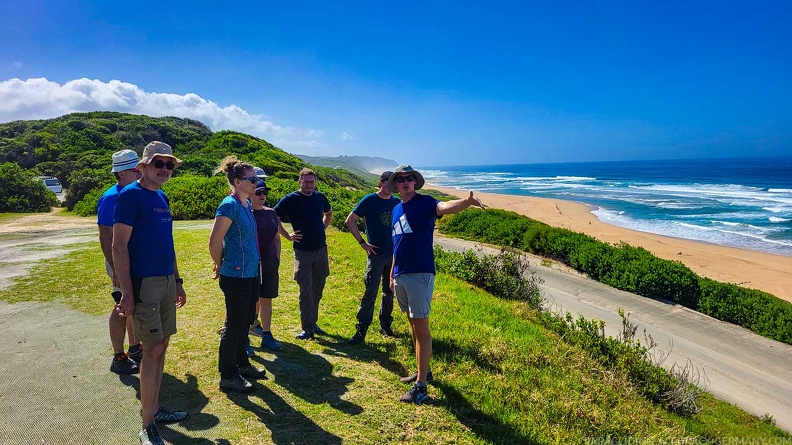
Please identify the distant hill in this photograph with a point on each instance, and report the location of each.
(364, 166)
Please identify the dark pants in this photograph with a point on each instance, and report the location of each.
(377, 274)
(241, 295)
(311, 269)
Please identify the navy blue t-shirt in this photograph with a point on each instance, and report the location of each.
(413, 233)
(378, 213)
(151, 251)
(305, 213)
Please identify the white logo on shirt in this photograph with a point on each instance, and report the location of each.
(402, 226)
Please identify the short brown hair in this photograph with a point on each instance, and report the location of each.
(307, 172)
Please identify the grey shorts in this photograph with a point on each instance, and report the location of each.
(109, 271)
(414, 293)
(154, 317)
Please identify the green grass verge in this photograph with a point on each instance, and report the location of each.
(500, 377)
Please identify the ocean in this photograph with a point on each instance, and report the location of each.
(738, 202)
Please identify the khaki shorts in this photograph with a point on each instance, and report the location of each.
(154, 317)
(414, 293)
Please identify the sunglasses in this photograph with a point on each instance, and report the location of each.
(159, 163)
(261, 192)
(403, 179)
(252, 179)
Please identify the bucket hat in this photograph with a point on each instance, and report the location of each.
(124, 160)
(158, 148)
(405, 168)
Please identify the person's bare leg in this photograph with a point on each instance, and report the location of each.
(422, 339)
(151, 378)
(116, 324)
(265, 310)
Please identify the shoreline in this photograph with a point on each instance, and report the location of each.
(767, 272)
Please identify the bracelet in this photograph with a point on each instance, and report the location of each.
(179, 280)
(361, 241)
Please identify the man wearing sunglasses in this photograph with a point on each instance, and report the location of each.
(310, 214)
(125, 171)
(151, 288)
(413, 271)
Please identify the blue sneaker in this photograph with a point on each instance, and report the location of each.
(249, 349)
(417, 395)
(257, 330)
(269, 342)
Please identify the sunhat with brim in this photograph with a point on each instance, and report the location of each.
(260, 172)
(158, 148)
(262, 185)
(405, 168)
(124, 160)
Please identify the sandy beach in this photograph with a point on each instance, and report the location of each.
(764, 271)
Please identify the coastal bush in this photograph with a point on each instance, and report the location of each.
(83, 182)
(19, 192)
(628, 268)
(508, 275)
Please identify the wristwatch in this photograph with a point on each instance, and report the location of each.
(179, 280)
(362, 240)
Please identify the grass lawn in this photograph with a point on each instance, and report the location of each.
(499, 377)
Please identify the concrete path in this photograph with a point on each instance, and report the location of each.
(741, 367)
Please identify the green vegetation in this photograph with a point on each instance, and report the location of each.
(19, 192)
(77, 149)
(628, 268)
(501, 376)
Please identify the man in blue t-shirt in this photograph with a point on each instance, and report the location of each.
(310, 214)
(151, 288)
(413, 271)
(125, 171)
(376, 209)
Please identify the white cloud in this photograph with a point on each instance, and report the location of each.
(347, 137)
(43, 99)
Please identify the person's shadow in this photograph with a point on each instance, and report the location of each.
(309, 377)
(380, 353)
(177, 394)
(286, 424)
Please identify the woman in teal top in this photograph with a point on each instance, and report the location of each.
(234, 251)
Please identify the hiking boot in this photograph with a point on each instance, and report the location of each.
(417, 395)
(150, 435)
(269, 342)
(318, 330)
(360, 335)
(236, 383)
(137, 356)
(414, 377)
(252, 372)
(304, 335)
(122, 364)
(257, 331)
(387, 331)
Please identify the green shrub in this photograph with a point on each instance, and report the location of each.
(195, 197)
(19, 192)
(82, 182)
(628, 268)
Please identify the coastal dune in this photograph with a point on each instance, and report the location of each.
(755, 270)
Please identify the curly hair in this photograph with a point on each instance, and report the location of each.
(233, 168)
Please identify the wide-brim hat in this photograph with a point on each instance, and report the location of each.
(124, 160)
(405, 168)
(157, 148)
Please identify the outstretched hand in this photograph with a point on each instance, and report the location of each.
(473, 201)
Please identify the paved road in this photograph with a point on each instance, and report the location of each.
(743, 368)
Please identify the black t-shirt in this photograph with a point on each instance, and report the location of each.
(305, 213)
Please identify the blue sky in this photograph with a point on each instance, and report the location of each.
(427, 83)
